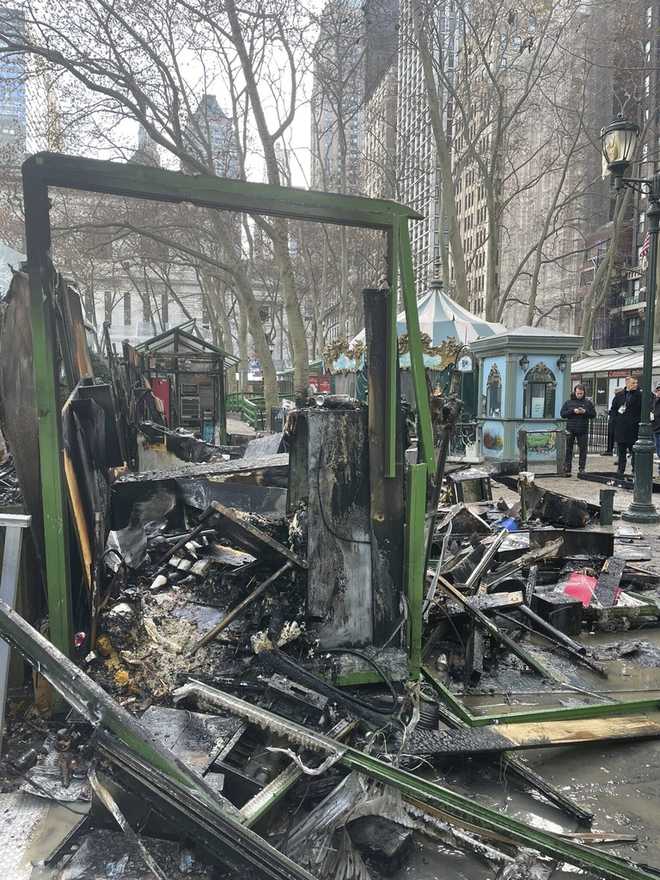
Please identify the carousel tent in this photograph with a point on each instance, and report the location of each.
(440, 318)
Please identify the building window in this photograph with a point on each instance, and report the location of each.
(164, 310)
(647, 50)
(634, 326)
(494, 392)
(127, 310)
(647, 85)
(649, 16)
(539, 393)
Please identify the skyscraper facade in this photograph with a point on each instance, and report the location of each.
(417, 167)
(338, 90)
(13, 102)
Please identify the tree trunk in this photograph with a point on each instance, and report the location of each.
(279, 228)
(249, 304)
(243, 346)
(603, 274)
(493, 308)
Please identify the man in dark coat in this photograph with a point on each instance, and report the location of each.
(655, 416)
(577, 411)
(612, 414)
(626, 431)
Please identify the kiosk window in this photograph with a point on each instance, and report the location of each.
(539, 393)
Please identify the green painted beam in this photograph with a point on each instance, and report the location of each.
(145, 182)
(414, 562)
(562, 713)
(425, 439)
(46, 386)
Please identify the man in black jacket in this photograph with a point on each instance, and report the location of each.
(577, 411)
(655, 415)
(627, 423)
(612, 414)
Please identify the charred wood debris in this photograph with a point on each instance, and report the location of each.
(241, 699)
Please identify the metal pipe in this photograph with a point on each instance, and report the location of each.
(642, 509)
(233, 614)
(483, 564)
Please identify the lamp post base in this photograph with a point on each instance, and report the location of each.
(641, 513)
(642, 509)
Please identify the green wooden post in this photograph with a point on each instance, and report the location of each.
(415, 555)
(56, 526)
(425, 440)
(392, 409)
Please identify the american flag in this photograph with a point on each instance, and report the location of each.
(644, 250)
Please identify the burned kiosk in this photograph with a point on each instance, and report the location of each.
(188, 375)
(395, 564)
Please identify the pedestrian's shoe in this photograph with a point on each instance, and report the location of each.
(581, 472)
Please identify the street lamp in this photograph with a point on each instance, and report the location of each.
(619, 143)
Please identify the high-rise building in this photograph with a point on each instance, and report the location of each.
(622, 317)
(210, 137)
(542, 178)
(379, 176)
(417, 167)
(381, 27)
(337, 98)
(13, 103)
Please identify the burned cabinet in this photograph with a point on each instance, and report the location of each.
(330, 461)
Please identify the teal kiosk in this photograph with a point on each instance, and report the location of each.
(524, 378)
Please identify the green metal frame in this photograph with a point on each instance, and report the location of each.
(414, 563)
(45, 170)
(44, 364)
(572, 713)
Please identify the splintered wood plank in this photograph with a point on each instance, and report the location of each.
(250, 538)
(555, 733)
(536, 735)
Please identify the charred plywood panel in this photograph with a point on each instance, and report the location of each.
(339, 551)
(19, 414)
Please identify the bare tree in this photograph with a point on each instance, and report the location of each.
(145, 62)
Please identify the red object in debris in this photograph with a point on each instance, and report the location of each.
(581, 586)
(160, 388)
(79, 639)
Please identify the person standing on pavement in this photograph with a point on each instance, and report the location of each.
(577, 411)
(626, 431)
(655, 416)
(612, 414)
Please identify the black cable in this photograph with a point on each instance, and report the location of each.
(376, 666)
(322, 512)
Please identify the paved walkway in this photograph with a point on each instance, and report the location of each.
(236, 426)
(590, 491)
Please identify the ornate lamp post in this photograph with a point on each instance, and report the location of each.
(619, 141)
